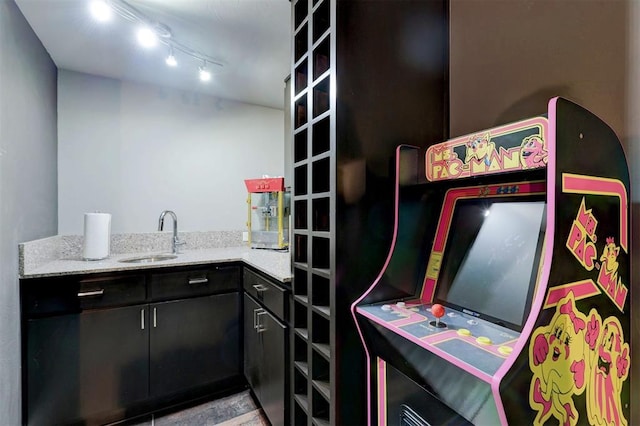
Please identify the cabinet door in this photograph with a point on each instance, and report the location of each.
(252, 350)
(265, 358)
(194, 342)
(86, 365)
(273, 367)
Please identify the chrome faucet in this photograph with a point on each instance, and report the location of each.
(175, 242)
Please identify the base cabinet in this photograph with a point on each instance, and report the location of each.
(266, 349)
(74, 372)
(89, 359)
(193, 342)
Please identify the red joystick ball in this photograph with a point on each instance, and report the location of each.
(438, 311)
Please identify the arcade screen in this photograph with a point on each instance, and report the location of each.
(491, 259)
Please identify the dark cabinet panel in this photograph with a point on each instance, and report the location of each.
(194, 282)
(194, 342)
(266, 292)
(73, 371)
(54, 296)
(252, 352)
(272, 335)
(265, 359)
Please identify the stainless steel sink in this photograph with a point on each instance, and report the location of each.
(149, 258)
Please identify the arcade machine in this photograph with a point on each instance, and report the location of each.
(268, 213)
(505, 295)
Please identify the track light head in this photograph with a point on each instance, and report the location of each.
(101, 10)
(205, 75)
(147, 37)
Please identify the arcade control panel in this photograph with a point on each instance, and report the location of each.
(451, 334)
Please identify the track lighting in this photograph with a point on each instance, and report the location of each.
(151, 33)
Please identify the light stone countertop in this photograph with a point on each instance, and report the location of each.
(276, 264)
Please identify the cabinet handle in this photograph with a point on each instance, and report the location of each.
(142, 319)
(260, 287)
(202, 280)
(260, 327)
(154, 317)
(256, 312)
(91, 293)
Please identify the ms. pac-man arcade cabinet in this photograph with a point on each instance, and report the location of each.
(505, 295)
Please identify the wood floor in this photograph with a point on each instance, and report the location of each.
(234, 410)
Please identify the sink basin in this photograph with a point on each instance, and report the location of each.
(149, 259)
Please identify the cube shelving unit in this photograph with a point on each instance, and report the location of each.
(366, 76)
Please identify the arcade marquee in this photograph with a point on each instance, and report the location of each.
(505, 295)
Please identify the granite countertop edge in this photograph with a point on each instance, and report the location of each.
(276, 264)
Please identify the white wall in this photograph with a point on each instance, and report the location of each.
(134, 150)
(28, 208)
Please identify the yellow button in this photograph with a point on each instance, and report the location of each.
(464, 332)
(505, 350)
(483, 340)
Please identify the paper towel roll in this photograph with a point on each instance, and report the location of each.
(97, 236)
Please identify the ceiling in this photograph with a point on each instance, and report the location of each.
(250, 38)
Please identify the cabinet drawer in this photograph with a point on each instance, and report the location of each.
(111, 291)
(74, 294)
(194, 282)
(266, 291)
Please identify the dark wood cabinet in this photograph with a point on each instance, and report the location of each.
(194, 282)
(97, 348)
(193, 342)
(252, 354)
(272, 387)
(268, 293)
(266, 344)
(75, 371)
